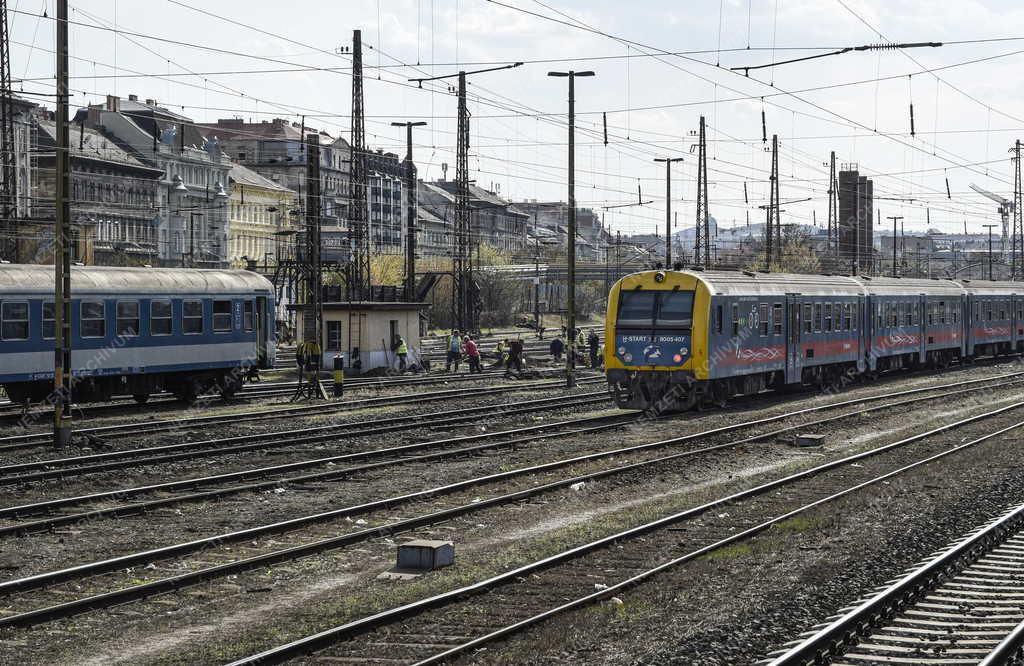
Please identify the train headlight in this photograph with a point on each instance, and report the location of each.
(659, 276)
(628, 358)
(678, 358)
(622, 350)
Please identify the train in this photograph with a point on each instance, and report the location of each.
(679, 339)
(136, 331)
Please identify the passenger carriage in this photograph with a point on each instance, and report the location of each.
(136, 331)
(680, 338)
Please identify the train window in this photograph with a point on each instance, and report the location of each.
(847, 316)
(675, 309)
(930, 307)
(817, 317)
(954, 312)
(14, 317)
(248, 316)
(828, 317)
(763, 311)
(221, 316)
(777, 319)
(942, 312)
(719, 316)
(856, 314)
(808, 318)
(192, 317)
(735, 319)
(94, 323)
(636, 309)
(128, 318)
(915, 312)
(989, 313)
(334, 336)
(1002, 310)
(908, 314)
(160, 318)
(49, 321)
(878, 315)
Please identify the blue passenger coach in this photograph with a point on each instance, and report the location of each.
(136, 331)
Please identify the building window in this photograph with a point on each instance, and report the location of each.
(192, 317)
(248, 310)
(334, 336)
(221, 316)
(160, 318)
(128, 318)
(14, 318)
(93, 319)
(49, 321)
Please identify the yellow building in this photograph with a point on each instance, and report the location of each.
(261, 219)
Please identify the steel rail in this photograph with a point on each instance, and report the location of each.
(49, 505)
(168, 584)
(33, 439)
(1008, 652)
(325, 638)
(60, 468)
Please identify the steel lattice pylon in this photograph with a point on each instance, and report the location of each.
(1017, 239)
(8, 158)
(772, 227)
(702, 242)
(462, 265)
(358, 232)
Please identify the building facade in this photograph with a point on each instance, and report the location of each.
(494, 221)
(114, 198)
(262, 219)
(193, 227)
(592, 239)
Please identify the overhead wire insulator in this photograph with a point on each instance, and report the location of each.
(912, 119)
(604, 117)
(948, 194)
(746, 199)
(764, 124)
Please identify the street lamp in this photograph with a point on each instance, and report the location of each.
(570, 299)
(668, 206)
(410, 198)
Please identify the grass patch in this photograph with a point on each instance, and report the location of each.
(730, 552)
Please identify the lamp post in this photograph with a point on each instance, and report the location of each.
(668, 206)
(410, 199)
(570, 299)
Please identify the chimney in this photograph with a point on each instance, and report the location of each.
(94, 115)
(133, 98)
(150, 102)
(113, 103)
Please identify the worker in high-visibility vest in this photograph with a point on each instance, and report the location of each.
(339, 375)
(402, 351)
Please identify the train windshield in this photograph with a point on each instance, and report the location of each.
(662, 310)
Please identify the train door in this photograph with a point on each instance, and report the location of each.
(794, 359)
(860, 322)
(261, 331)
(922, 327)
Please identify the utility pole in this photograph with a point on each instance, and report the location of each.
(358, 232)
(989, 227)
(702, 235)
(410, 201)
(668, 206)
(570, 300)
(1018, 214)
(312, 312)
(772, 231)
(8, 151)
(833, 214)
(536, 273)
(895, 219)
(63, 371)
(462, 270)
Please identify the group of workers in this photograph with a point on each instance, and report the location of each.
(591, 343)
(509, 352)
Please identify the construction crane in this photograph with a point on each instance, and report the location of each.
(1005, 210)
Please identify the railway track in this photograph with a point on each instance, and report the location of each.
(29, 440)
(10, 414)
(962, 606)
(470, 617)
(103, 583)
(53, 468)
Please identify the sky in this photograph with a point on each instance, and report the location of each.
(659, 65)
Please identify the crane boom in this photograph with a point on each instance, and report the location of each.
(1002, 201)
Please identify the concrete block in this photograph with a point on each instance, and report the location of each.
(809, 440)
(426, 555)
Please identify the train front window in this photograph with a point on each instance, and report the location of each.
(636, 309)
(675, 309)
(14, 316)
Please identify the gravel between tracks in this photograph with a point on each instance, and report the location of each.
(229, 618)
